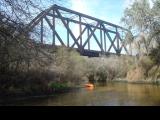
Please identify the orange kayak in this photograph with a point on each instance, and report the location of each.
(89, 85)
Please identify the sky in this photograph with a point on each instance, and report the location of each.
(108, 10)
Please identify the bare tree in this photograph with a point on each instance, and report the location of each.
(17, 50)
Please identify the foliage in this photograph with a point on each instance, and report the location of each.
(71, 65)
(145, 70)
(57, 86)
(17, 10)
(17, 53)
(155, 55)
(25, 10)
(26, 83)
(138, 15)
(136, 75)
(146, 64)
(105, 71)
(143, 21)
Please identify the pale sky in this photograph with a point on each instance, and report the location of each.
(108, 10)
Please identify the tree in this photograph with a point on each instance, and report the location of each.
(19, 10)
(155, 55)
(140, 17)
(25, 10)
(156, 7)
(17, 50)
(155, 26)
(129, 40)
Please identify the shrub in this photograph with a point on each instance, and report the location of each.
(102, 74)
(155, 55)
(71, 65)
(57, 86)
(108, 68)
(135, 75)
(146, 64)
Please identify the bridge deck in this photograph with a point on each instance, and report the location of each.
(89, 53)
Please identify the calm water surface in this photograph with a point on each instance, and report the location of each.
(114, 94)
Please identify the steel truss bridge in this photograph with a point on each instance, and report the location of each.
(106, 35)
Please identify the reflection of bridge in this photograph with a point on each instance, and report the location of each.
(104, 33)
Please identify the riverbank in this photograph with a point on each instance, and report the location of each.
(15, 86)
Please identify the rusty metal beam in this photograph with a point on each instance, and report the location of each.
(89, 39)
(78, 22)
(123, 46)
(90, 35)
(101, 39)
(117, 35)
(87, 16)
(112, 43)
(110, 39)
(53, 31)
(42, 31)
(105, 49)
(79, 36)
(68, 34)
(80, 31)
(51, 26)
(69, 30)
(37, 19)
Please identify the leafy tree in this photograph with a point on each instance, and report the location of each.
(155, 55)
(138, 16)
(129, 40)
(144, 23)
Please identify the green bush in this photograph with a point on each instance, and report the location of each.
(58, 86)
(155, 55)
(102, 74)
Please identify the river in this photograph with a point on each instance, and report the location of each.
(113, 94)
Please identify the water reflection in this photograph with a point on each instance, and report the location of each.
(144, 94)
(90, 88)
(114, 94)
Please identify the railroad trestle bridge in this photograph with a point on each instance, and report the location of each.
(108, 37)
